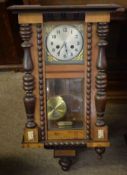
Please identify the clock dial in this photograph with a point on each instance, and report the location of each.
(64, 42)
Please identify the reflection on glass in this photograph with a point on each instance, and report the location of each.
(65, 103)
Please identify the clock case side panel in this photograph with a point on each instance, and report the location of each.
(36, 51)
(95, 141)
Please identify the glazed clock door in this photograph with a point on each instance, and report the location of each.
(65, 103)
(64, 60)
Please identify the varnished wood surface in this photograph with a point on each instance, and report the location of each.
(88, 7)
(25, 18)
(98, 144)
(64, 68)
(28, 78)
(97, 17)
(65, 75)
(60, 153)
(93, 92)
(65, 134)
(32, 145)
(35, 74)
(74, 2)
(101, 77)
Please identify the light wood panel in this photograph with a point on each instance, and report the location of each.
(97, 17)
(94, 73)
(98, 144)
(35, 73)
(32, 145)
(29, 18)
(64, 68)
(65, 75)
(65, 134)
(68, 153)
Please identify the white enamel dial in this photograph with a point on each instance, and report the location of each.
(64, 42)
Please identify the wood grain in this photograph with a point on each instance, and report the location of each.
(65, 75)
(64, 68)
(97, 17)
(31, 18)
(32, 145)
(61, 153)
(66, 134)
(35, 73)
(97, 144)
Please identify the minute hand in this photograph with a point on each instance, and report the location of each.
(66, 48)
(61, 48)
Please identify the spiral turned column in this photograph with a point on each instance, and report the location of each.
(101, 78)
(28, 80)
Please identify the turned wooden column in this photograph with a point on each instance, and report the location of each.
(28, 78)
(101, 78)
(31, 34)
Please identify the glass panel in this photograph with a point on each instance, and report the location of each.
(65, 103)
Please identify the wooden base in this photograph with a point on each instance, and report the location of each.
(94, 144)
(32, 145)
(68, 157)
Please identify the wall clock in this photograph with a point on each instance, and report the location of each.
(65, 77)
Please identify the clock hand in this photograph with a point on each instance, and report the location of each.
(61, 48)
(66, 48)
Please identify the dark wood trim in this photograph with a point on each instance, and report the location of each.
(41, 79)
(67, 8)
(28, 78)
(101, 78)
(64, 144)
(88, 80)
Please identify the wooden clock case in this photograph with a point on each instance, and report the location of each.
(94, 134)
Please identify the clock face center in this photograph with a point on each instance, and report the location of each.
(64, 42)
